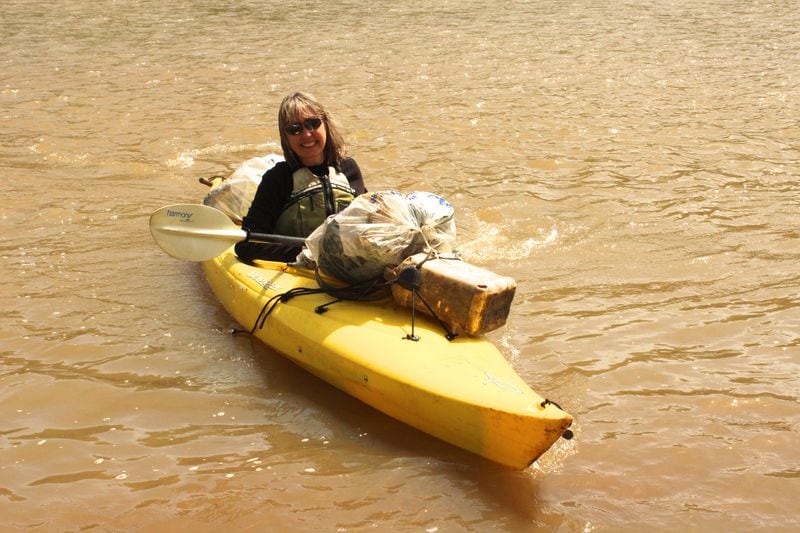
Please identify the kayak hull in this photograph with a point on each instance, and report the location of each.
(462, 391)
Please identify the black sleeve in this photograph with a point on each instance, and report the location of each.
(271, 195)
(350, 169)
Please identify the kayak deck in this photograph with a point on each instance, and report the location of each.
(462, 391)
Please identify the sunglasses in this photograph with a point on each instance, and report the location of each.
(311, 124)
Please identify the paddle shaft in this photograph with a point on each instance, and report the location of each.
(270, 238)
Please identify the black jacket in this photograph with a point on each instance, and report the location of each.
(271, 198)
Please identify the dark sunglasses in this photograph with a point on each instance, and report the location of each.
(310, 124)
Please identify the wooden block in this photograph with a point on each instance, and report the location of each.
(469, 299)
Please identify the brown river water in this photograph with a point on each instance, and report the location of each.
(633, 165)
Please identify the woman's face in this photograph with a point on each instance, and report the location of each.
(307, 137)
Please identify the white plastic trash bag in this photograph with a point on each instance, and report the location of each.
(434, 216)
(381, 229)
(234, 194)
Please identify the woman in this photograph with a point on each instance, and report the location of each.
(315, 180)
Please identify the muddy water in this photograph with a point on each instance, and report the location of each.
(633, 166)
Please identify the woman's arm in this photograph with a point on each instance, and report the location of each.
(350, 169)
(271, 195)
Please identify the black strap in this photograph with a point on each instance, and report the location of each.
(327, 195)
(377, 288)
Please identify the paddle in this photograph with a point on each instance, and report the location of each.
(195, 232)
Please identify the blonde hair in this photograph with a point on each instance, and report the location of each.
(292, 108)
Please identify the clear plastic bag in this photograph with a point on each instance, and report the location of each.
(381, 229)
(234, 194)
(435, 217)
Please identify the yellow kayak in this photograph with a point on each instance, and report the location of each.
(462, 391)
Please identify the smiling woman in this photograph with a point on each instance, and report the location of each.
(315, 180)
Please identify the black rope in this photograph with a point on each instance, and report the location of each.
(269, 306)
(547, 402)
(365, 291)
(449, 335)
(410, 278)
(374, 289)
(568, 434)
(370, 290)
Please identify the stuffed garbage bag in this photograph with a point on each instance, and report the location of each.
(234, 194)
(381, 229)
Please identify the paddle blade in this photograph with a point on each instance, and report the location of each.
(194, 232)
